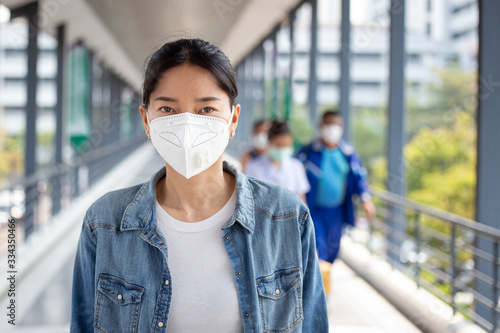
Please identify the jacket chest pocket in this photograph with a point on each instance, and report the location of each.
(280, 300)
(118, 305)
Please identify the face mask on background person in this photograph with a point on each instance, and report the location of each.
(260, 141)
(280, 154)
(331, 133)
(190, 143)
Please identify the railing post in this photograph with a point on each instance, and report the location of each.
(488, 141)
(496, 293)
(291, 64)
(313, 81)
(396, 138)
(419, 247)
(345, 64)
(58, 160)
(274, 71)
(453, 266)
(30, 11)
(262, 73)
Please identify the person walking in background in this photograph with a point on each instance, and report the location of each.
(336, 175)
(259, 141)
(278, 166)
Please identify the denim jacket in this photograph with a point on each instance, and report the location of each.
(122, 283)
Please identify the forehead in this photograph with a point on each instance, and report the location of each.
(332, 119)
(285, 138)
(188, 80)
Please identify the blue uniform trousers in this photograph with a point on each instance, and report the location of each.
(328, 229)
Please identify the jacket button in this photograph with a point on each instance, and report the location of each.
(119, 296)
(246, 314)
(277, 291)
(167, 282)
(226, 238)
(160, 324)
(238, 273)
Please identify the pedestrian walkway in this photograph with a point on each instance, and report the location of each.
(45, 292)
(355, 307)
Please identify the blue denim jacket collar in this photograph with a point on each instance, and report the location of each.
(136, 217)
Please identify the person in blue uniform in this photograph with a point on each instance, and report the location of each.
(336, 175)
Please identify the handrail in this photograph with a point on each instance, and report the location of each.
(448, 264)
(482, 229)
(51, 171)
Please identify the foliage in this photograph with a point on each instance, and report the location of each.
(12, 154)
(11, 157)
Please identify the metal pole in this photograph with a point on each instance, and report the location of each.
(396, 175)
(58, 160)
(291, 63)
(240, 70)
(263, 80)
(313, 82)
(31, 12)
(251, 91)
(276, 106)
(488, 141)
(345, 64)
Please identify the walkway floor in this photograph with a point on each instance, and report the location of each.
(354, 307)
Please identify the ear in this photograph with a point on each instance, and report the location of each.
(144, 111)
(234, 121)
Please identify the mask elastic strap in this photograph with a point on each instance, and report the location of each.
(232, 114)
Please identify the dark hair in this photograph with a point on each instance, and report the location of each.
(258, 123)
(278, 127)
(190, 51)
(333, 113)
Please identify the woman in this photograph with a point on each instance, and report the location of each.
(199, 247)
(279, 166)
(259, 142)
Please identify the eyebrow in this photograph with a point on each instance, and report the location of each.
(201, 99)
(165, 98)
(207, 99)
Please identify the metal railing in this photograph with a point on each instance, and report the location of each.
(55, 187)
(439, 251)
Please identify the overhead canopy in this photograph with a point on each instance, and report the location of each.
(125, 32)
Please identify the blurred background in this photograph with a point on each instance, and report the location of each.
(416, 81)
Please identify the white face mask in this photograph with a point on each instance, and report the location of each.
(260, 141)
(190, 143)
(331, 133)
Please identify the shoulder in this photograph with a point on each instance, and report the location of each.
(347, 148)
(110, 207)
(296, 163)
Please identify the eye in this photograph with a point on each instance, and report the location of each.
(166, 109)
(207, 109)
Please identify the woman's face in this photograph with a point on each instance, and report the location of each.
(189, 88)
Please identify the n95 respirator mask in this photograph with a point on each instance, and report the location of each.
(190, 143)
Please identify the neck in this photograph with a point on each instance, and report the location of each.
(329, 145)
(197, 198)
(276, 164)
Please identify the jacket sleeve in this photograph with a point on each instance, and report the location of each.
(83, 289)
(313, 294)
(361, 178)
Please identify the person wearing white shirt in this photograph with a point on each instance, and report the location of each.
(278, 166)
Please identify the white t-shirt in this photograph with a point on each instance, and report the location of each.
(291, 173)
(204, 297)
